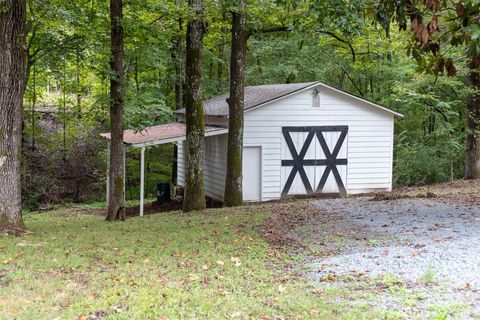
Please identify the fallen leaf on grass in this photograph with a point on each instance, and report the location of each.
(224, 293)
(119, 309)
(193, 277)
(281, 288)
(331, 277)
(67, 303)
(146, 261)
(465, 287)
(436, 240)
(7, 261)
(314, 313)
(318, 291)
(205, 267)
(220, 263)
(236, 261)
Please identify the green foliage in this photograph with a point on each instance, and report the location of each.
(430, 141)
(346, 44)
(158, 161)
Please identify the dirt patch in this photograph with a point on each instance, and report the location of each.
(174, 204)
(461, 191)
(396, 196)
(285, 217)
(133, 211)
(155, 207)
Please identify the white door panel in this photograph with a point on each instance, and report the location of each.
(252, 173)
(314, 163)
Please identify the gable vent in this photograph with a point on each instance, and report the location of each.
(316, 98)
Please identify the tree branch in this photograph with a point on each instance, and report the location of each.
(284, 28)
(336, 37)
(268, 30)
(351, 80)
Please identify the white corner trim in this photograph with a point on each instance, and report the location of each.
(3, 159)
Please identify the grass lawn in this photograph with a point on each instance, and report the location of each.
(204, 265)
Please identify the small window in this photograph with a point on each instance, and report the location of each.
(316, 99)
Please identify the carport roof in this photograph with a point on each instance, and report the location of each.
(161, 134)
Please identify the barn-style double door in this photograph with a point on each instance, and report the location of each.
(314, 160)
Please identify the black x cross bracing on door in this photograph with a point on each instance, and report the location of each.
(298, 161)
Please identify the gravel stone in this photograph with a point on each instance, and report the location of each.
(431, 246)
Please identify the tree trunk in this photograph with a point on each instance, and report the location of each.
(233, 184)
(194, 198)
(116, 205)
(472, 161)
(177, 56)
(78, 88)
(12, 87)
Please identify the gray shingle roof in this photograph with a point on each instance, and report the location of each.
(258, 95)
(254, 96)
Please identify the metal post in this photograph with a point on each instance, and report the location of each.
(142, 179)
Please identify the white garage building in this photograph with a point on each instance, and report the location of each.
(302, 139)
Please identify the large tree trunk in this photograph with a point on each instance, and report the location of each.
(472, 161)
(116, 205)
(194, 198)
(233, 184)
(12, 87)
(178, 57)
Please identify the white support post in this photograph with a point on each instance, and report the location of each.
(142, 179)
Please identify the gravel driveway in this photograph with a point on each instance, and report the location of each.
(407, 258)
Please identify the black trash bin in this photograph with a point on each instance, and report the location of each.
(163, 192)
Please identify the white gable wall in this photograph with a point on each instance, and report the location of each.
(370, 137)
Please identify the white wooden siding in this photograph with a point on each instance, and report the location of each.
(370, 137)
(215, 165)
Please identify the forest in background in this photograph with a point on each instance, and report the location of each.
(66, 103)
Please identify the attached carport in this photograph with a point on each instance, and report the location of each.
(152, 136)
